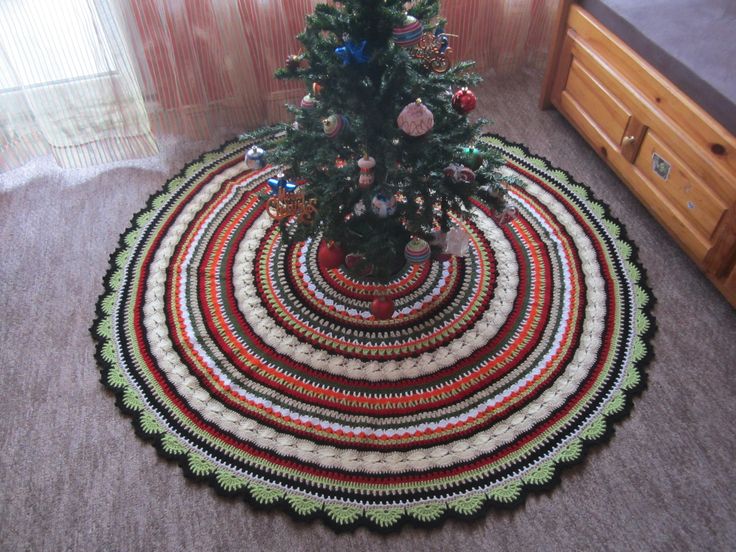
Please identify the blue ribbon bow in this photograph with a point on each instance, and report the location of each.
(352, 52)
(277, 184)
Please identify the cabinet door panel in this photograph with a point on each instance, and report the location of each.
(610, 115)
(682, 188)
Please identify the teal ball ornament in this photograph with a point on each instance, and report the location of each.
(472, 158)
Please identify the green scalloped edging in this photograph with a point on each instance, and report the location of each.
(343, 516)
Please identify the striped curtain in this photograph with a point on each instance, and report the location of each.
(500, 35)
(92, 81)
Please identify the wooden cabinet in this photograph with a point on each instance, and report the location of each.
(674, 157)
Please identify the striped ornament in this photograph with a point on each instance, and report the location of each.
(409, 34)
(417, 250)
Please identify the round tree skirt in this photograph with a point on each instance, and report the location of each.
(237, 355)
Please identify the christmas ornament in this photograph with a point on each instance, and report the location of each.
(417, 250)
(293, 62)
(255, 158)
(308, 102)
(383, 206)
(496, 191)
(367, 165)
(433, 51)
(508, 214)
(416, 119)
(280, 183)
(330, 255)
(472, 157)
(459, 173)
(438, 242)
(409, 33)
(340, 162)
(334, 125)
(316, 89)
(291, 204)
(356, 264)
(464, 101)
(457, 242)
(352, 52)
(359, 208)
(382, 308)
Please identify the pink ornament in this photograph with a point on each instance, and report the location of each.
(308, 102)
(415, 119)
(366, 164)
(459, 173)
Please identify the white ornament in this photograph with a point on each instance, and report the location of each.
(359, 208)
(457, 242)
(383, 206)
(366, 178)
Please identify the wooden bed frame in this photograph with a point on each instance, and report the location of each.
(678, 160)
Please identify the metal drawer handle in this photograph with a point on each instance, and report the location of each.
(628, 140)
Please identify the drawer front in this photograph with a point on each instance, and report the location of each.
(607, 112)
(666, 172)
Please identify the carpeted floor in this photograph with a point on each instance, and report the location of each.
(75, 477)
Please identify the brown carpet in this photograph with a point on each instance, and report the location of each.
(75, 477)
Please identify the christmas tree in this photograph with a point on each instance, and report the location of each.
(382, 141)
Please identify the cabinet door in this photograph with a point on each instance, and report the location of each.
(587, 98)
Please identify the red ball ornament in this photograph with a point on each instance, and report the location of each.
(353, 261)
(464, 101)
(382, 308)
(330, 255)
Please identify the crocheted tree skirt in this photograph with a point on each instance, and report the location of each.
(266, 376)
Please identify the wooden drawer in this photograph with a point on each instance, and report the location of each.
(678, 161)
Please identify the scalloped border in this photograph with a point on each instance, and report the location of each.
(338, 516)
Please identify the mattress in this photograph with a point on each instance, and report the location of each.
(692, 43)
